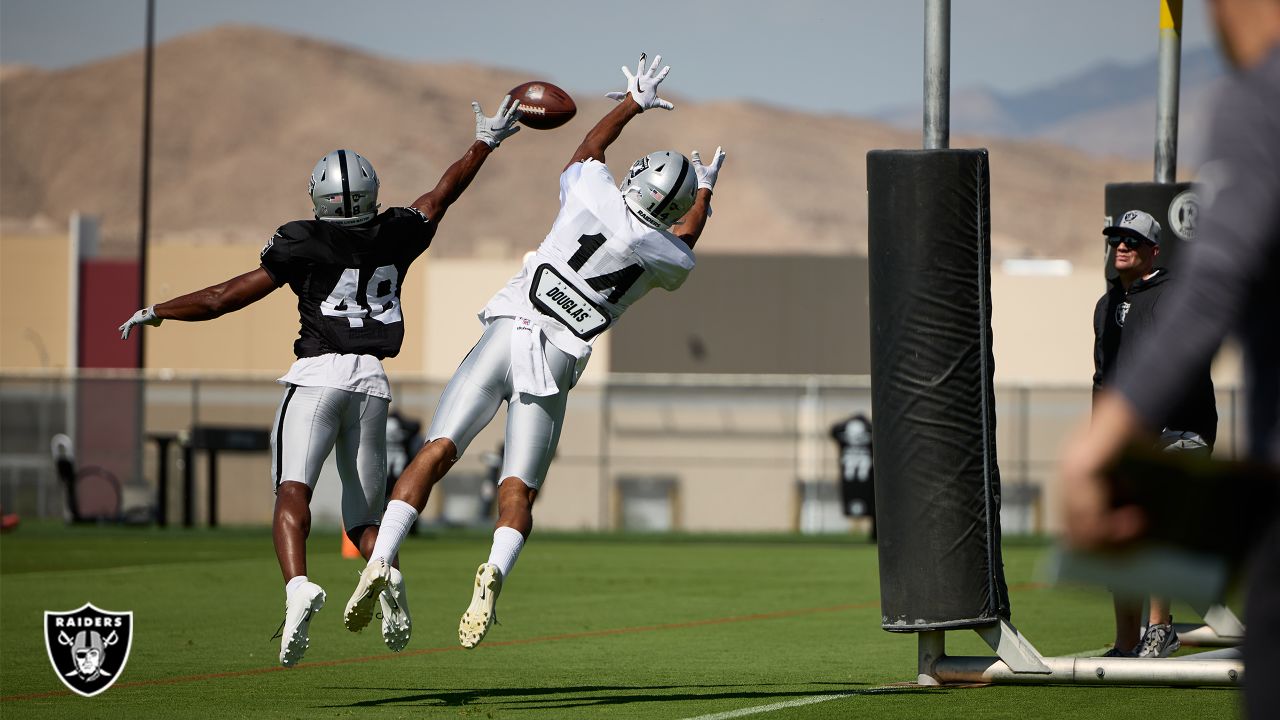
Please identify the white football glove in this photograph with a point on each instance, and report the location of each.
(643, 86)
(707, 173)
(493, 130)
(145, 316)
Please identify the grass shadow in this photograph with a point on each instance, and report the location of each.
(581, 696)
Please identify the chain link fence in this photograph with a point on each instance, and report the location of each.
(640, 452)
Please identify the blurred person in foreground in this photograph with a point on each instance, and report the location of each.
(1124, 317)
(1231, 285)
(347, 267)
(607, 248)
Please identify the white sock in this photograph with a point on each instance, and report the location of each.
(294, 583)
(396, 523)
(506, 548)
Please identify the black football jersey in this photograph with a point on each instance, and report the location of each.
(348, 279)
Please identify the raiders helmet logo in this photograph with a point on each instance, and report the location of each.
(1130, 216)
(88, 647)
(639, 166)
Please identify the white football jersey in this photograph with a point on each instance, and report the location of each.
(597, 260)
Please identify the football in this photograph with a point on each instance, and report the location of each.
(543, 106)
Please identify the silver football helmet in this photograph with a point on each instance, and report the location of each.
(344, 188)
(660, 188)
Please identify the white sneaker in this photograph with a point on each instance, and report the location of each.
(305, 601)
(396, 625)
(1159, 641)
(481, 615)
(373, 579)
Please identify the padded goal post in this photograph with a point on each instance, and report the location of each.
(933, 403)
(932, 394)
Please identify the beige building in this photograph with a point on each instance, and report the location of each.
(736, 314)
(726, 389)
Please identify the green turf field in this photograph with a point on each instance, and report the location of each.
(592, 626)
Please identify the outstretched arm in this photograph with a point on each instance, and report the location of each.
(605, 132)
(456, 179)
(642, 88)
(207, 304)
(490, 132)
(689, 227)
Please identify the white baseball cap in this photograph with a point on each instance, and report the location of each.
(1135, 224)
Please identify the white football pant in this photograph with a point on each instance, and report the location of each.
(482, 382)
(311, 422)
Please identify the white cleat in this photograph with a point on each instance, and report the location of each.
(396, 624)
(481, 614)
(305, 601)
(373, 580)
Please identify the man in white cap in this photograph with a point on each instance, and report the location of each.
(1126, 313)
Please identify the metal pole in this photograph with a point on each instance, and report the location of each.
(937, 74)
(1204, 636)
(212, 487)
(145, 210)
(1024, 394)
(603, 469)
(931, 647)
(188, 484)
(1167, 91)
(1096, 671)
(162, 480)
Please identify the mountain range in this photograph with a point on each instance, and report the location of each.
(241, 114)
(1108, 109)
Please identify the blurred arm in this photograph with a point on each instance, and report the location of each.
(1090, 521)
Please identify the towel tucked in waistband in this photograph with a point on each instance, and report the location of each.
(529, 372)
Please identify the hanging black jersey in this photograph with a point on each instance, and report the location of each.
(348, 280)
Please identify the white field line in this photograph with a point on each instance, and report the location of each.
(798, 702)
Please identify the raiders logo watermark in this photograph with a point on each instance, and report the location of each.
(88, 646)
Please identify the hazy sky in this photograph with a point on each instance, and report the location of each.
(851, 56)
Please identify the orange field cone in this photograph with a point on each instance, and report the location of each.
(349, 549)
